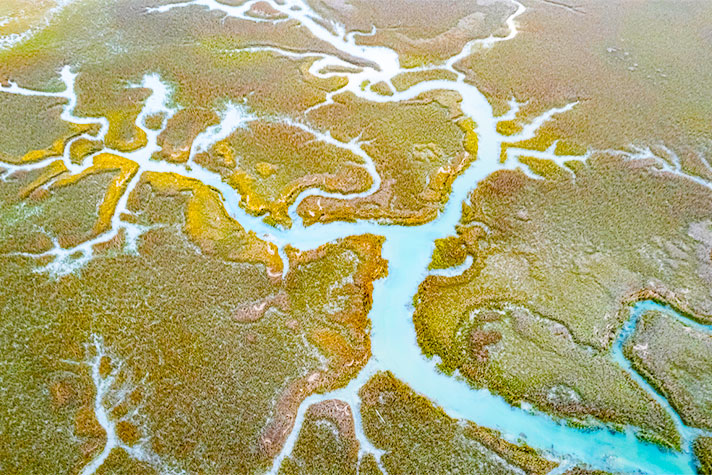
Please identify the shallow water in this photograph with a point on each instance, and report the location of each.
(408, 250)
(636, 311)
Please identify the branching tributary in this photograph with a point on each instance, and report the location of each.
(407, 248)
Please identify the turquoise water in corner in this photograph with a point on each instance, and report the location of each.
(395, 347)
(408, 250)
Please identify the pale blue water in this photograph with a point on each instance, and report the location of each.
(408, 250)
(636, 311)
(394, 344)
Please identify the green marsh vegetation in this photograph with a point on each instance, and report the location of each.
(556, 261)
(418, 147)
(169, 317)
(677, 360)
(420, 438)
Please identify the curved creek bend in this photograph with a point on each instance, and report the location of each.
(408, 249)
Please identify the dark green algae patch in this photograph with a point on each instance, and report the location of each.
(556, 262)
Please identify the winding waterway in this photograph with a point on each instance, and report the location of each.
(407, 249)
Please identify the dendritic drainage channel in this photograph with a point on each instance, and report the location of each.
(408, 249)
(111, 390)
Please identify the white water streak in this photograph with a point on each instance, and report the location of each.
(105, 387)
(379, 64)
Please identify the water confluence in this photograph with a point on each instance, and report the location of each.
(408, 249)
